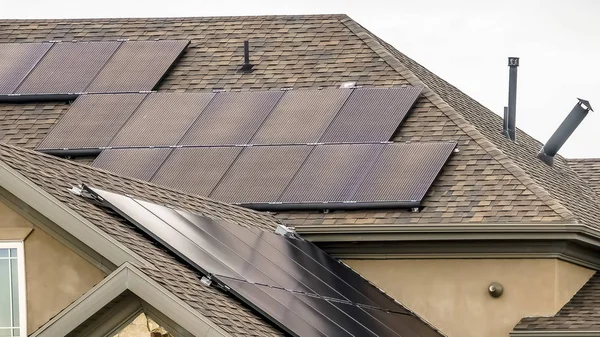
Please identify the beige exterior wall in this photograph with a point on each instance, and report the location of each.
(453, 295)
(55, 275)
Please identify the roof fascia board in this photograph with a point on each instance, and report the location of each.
(574, 243)
(87, 305)
(66, 218)
(41, 222)
(534, 333)
(129, 277)
(458, 119)
(444, 232)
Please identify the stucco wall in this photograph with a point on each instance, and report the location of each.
(55, 275)
(452, 294)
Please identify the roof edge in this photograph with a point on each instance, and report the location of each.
(187, 18)
(367, 37)
(66, 218)
(554, 333)
(129, 277)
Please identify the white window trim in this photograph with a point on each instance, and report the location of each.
(18, 245)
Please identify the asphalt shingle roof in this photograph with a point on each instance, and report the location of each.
(56, 176)
(479, 184)
(582, 313)
(491, 180)
(589, 170)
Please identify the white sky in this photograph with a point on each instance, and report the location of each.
(466, 42)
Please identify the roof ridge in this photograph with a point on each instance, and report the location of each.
(147, 183)
(187, 18)
(368, 38)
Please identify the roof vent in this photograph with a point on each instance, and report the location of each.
(564, 131)
(510, 112)
(247, 67)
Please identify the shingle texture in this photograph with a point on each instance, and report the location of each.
(581, 313)
(481, 183)
(56, 176)
(588, 170)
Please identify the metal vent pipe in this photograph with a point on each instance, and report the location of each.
(564, 131)
(247, 66)
(513, 64)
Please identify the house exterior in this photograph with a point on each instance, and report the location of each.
(494, 213)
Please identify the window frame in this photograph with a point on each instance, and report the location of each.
(22, 291)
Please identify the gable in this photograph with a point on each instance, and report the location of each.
(55, 274)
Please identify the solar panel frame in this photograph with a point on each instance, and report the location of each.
(260, 174)
(18, 59)
(162, 119)
(68, 67)
(196, 170)
(371, 115)
(231, 118)
(420, 163)
(340, 167)
(91, 121)
(301, 116)
(135, 163)
(138, 66)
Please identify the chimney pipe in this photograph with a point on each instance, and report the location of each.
(564, 131)
(247, 67)
(513, 64)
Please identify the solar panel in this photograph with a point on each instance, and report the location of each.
(331, 173)
(162, 119)
(17, 61)
(134, 163)
(260, 174)
(231, 118)
(137, 66)
(301, 116)
(68, 67)
(371, 115)
(196, 170)
(404, 172)
(92, 121)
(267, 271)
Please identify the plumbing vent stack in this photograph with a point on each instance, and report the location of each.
(513, 64)
(247, 67)
(564, 131)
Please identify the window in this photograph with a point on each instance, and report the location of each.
(12, 290)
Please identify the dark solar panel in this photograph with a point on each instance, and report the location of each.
(137, 66)
(17, 60)
(267, 271)
(260, 174)
(331, 173)
(301, 116)
(196, 170)
(92, 121)
(371, 115)
(231, 118)
(134, 163)
(404, 172)
(68, 67)
(167, 234)
(162, 119)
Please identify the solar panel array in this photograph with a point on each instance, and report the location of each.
(290, 281)
(228, 118)
(61, 70)
(272, 177)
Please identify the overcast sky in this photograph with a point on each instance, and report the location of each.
(466, 42)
